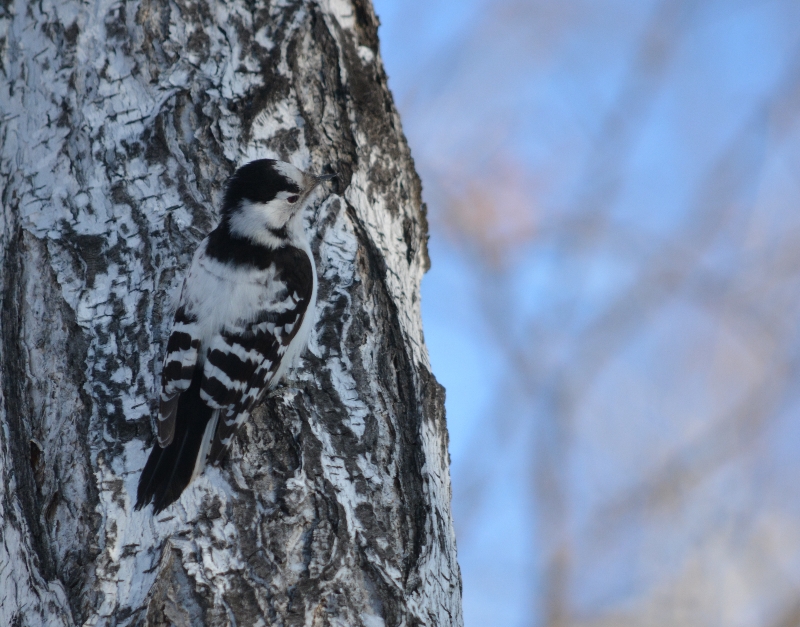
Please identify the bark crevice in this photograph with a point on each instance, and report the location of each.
(18, 407)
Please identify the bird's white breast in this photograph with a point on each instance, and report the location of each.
(220, 294)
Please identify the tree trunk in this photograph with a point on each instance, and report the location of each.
(120, 123)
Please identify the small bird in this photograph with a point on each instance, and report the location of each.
(244, 316)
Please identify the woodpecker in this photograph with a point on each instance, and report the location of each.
(244, 316)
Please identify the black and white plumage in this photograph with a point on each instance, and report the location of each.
(244, 315)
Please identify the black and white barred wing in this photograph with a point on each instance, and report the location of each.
(238, 328)
(179, 365)
(249, 357)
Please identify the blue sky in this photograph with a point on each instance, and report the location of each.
(613, 195)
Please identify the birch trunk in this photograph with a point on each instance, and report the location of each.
(120, 123)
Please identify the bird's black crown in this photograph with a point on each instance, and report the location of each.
(257, 181)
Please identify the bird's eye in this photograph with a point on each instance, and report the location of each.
(292, 199)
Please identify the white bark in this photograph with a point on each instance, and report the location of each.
(120, 123)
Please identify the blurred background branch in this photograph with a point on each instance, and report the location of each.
(614, 300)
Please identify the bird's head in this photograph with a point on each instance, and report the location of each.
(264, 200)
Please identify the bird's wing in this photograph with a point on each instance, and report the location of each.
(242, 361)
(179, 365)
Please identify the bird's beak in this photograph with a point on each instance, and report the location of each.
(324, 177)
(316, 180)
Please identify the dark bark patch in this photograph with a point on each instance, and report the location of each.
(153, 17)
(18, 405)
(37, 464)
(285, 142)
(366, 24)
(90, 249)
(71, 34)
(155, 140)
(199, 43)
(274, 88)
(410, 238)
(117, 28)
(424, 236)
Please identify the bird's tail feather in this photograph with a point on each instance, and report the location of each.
(170, 469)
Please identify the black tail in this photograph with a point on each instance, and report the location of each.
(168, 470)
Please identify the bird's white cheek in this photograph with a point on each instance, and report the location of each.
(260, 222)
(248, 219)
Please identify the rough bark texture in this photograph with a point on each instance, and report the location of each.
(120, 123)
